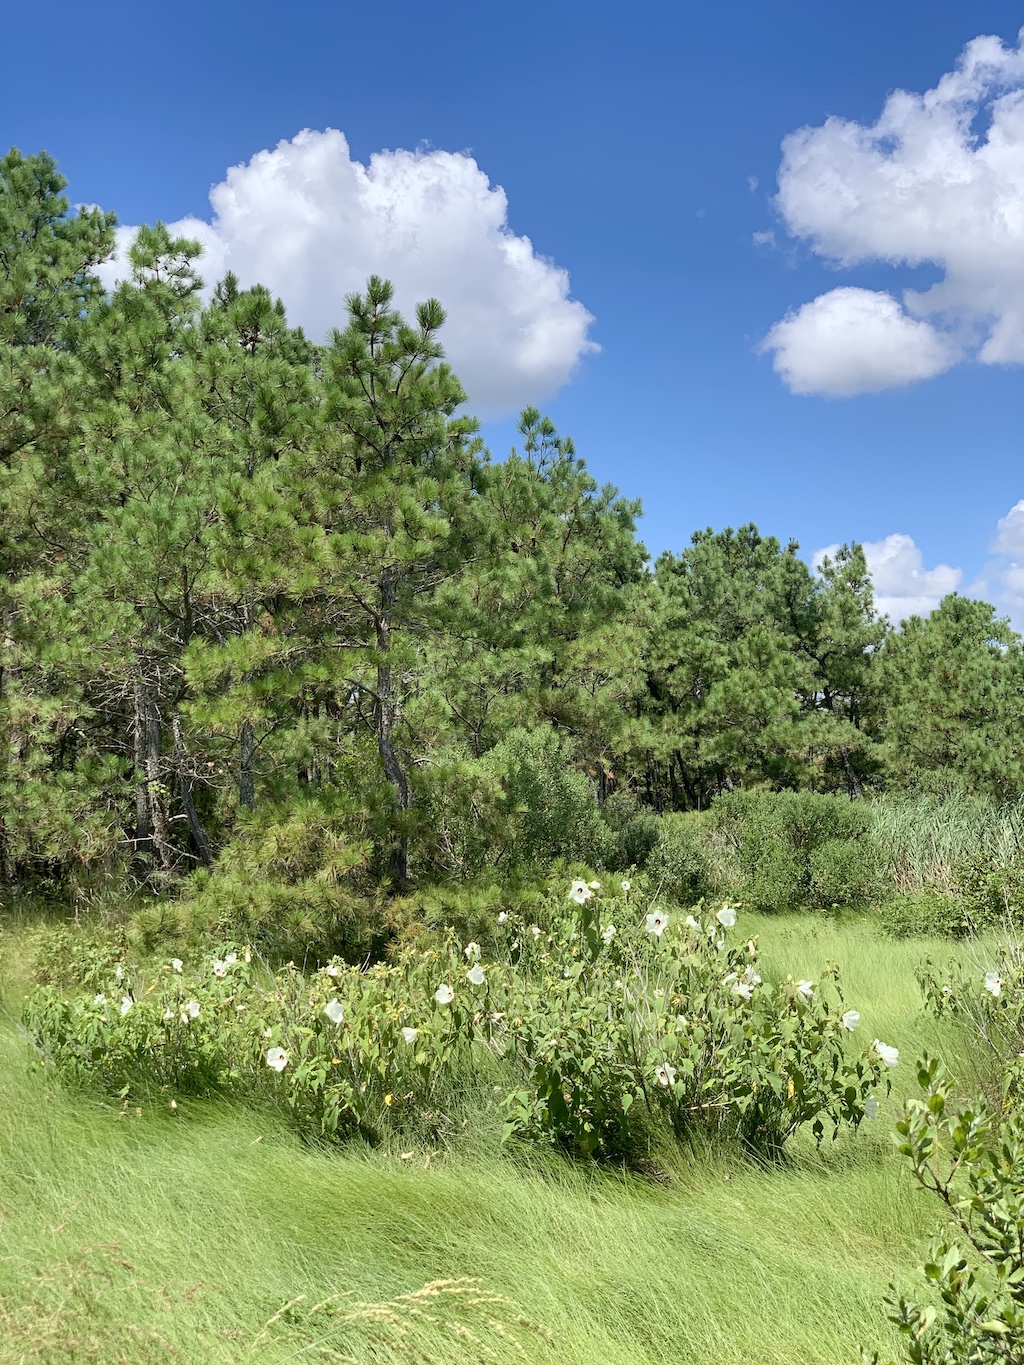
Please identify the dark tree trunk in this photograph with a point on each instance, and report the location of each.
(692, 795)
(247, 766)
(388, 715)
(852, 780)
(143, 828)
(155, 786)
(16, 745)
(185, 783)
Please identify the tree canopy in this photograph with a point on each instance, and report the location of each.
(270, 604)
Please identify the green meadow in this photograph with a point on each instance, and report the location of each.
(207, 1232)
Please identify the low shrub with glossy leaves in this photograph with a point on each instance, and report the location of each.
(972, 1159)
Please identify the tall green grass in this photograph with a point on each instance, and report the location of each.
(923, 839)
(182, 1234)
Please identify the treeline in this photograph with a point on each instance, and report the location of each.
(270, 606)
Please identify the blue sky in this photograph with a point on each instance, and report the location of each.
(640, 151)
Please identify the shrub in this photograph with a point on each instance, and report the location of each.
(615, 1027)
(294, 883)
(991, 893)
(552, 805)
(973, 1160)
(634, 830)
(470, 910)
(681, 862)
(799, 849)
(929, 911)
(602, 1021)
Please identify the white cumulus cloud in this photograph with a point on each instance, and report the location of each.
(312, 223)
(903, 586)
(855, 341)
(1009, 537)
(938, 179)
(1004, 575)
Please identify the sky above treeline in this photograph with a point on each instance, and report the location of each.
(763, 263)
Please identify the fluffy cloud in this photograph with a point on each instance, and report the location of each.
(1009, 537)
(1002, 580)
(311, 223)
(854, 341)
(920, 186)
(903, 586)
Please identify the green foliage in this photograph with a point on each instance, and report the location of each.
(973, 1161)
(923, 840)
(799, 849)
(929, 911)
(986, 994)
(552, 806)
(634, 831)
(991, 894)
(146, 1033)
(600, 1031)
(953, 684)
(758, 670)
(618, 1026)
(781, 1265)
(474, 911)
(293, 883)
(253, 588)
(681, 863)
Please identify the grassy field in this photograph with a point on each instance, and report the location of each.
(181, 1235)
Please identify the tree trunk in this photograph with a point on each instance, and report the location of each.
(388, 714)
(155, 786)
(143, 828)
(16, 745)
(246, 741)
(247, 766)
(691, 793)
(853, 781)
(187, 804)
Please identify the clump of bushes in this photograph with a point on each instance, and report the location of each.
(551, 806)
(682, 862)
(931, 911)
(984, 895)
(798, 850)
(633, 831)
(991, 893)
(598, 1025)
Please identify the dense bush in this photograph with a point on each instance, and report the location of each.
(600, 1024)
(929, 911)
(295, 881)
(634, 831)
(552, 806)
(798, 849)
(991, 893)
(681, 862)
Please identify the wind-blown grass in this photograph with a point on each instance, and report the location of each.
(923, 839)
(181, 1234)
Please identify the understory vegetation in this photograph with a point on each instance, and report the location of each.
(166, 1222)
(431, 931)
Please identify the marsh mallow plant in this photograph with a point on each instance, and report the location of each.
(593, 1031)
